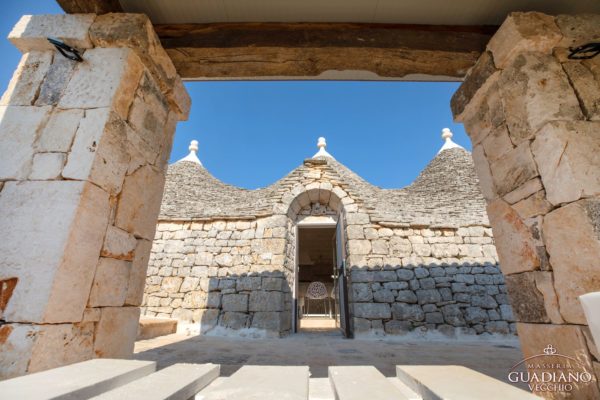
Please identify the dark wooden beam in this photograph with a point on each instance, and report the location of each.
(90, 6)
(297, 50)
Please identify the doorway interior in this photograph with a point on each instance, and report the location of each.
(316, 288)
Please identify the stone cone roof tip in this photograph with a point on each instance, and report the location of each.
(322, 144)
(448, 144)
(193, 157)
(446, 192)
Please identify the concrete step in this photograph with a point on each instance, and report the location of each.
(76, 381)
(257, 382)
(454, 382)
(149, 328)
(176, 382)
(365, 382)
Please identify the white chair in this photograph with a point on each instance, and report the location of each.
(316, 291)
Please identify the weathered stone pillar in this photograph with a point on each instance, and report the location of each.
(84, 151)
(533, 117)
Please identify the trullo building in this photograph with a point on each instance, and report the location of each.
(324, 248)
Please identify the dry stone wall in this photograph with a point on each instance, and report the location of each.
(230, 274)
(239, 274)
(421, 280)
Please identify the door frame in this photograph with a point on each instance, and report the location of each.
(308, 222)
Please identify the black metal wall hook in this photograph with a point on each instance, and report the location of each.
(584, 52)
(66, 50)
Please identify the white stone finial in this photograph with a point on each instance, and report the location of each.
(448, 144)
(322, 144)
(192, 156)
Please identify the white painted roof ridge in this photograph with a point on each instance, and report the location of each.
(322, 144)
(449, 144)
(192, 156)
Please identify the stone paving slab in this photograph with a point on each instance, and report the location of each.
(76, 381)
(320, 351)
(253, 382)
(177, 382)
(454, 382)
(363, 382)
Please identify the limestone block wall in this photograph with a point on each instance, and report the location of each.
(230, 274)
(426, 279)
(239, 274)
(533, 116)
(82, 170)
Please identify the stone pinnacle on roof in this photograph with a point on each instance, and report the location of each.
(321, 144)
(449, 144)
(192, 156)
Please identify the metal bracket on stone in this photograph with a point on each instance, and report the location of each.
(584, 52)
(67, 51)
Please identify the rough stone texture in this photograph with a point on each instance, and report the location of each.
(513, 169)
(132, 216)
(478, 76)
(236, 249)
(58, 134)
(516, 249)
(79, 162)
(99, 152)
(543, 192)
(118, 244)
(527, 300)
(45, 346)
(18, 127)
(586, 86)
(47, 166)
(568, 156)
(25, 83)
(81, 211)
(535, 90)
(110, 283)
(116, 332)
(446, 193)
(577, 29)
(523, 32)
(31, 31)
(109, 79)
(575, 226)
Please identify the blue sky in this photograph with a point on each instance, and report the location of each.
(253, 133)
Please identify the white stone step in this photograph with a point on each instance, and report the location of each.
(176, 382)
(76, 381)
(257, 382)
(454, 382)
(406, 391)
(364, 382)
(320, 389)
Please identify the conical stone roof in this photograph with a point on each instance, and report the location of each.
(445, 194)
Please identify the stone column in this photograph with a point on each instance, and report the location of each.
(533, 117)
(84, 151)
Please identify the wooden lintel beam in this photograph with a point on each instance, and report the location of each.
(295, 50)
(90, 6)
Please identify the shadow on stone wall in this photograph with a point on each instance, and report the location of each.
(260, 302)
(467, 298)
